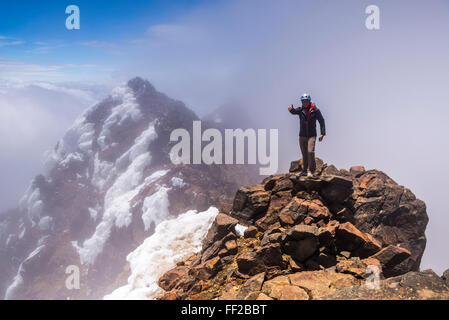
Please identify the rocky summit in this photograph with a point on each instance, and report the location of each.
(342, 234)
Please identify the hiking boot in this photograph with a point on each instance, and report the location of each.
(302, 173)
(310, 175)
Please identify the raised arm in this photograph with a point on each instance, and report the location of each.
(293, 110)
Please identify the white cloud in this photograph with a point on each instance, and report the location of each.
(97, 44)
(33, 116)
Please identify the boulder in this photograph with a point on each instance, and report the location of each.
(445, 277)
(390, 257)
(208, 269)
(277, 202)
(250, 201)
(253, 284)
(349, 238)
(301, 250)
(321, 283)
(359, 268)
(171, 278)
(300, 232)
(357, 170)
(222, 225)
(250, 232)
(293, 213)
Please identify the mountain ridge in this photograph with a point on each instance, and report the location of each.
(93, 203)
(353, 234)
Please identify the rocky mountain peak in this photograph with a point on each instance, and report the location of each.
(298, 238)
(108, 183)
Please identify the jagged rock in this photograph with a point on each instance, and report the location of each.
(390, 213)
(357, 170)
(248, 263)
(171, 278)
(253, 284)
(320, 236)
(358, 268)
(223, 224)
(250, 201)
(349, 238)
(326, 235)
(302, 249)
(276, 237)
(300, 232)
(390, 257)
(337, 189)
(277, 203)
(445, 277)
(294, 212)
(250, 232)
(282, 184)
(207, 269)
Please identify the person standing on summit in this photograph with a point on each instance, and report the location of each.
(308, 115)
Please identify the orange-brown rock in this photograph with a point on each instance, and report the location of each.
(349, 238)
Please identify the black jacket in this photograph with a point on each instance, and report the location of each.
(308, 127)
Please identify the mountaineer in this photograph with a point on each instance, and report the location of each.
(308, 115)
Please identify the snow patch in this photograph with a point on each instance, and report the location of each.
(127, 110)
(117, 205)
(18, 278)
(32, 204)
(155, 207)
(173, 240)
(45, 223)
(178, 182)
(239, 229)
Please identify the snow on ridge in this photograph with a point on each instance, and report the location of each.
(178, 182)
(128, 109)
(32, 204)
(18, 278)
(173, 240)
(78, 140)
(155, 207)
(117, 199)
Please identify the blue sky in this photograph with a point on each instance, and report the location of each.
(34, 32)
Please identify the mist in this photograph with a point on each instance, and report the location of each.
(383, 93)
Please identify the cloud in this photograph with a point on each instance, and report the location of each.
(19, 70)
(4, 42)
(33, 116)
(368, 84)
(97, 44)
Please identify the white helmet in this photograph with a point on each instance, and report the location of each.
(306, 96)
